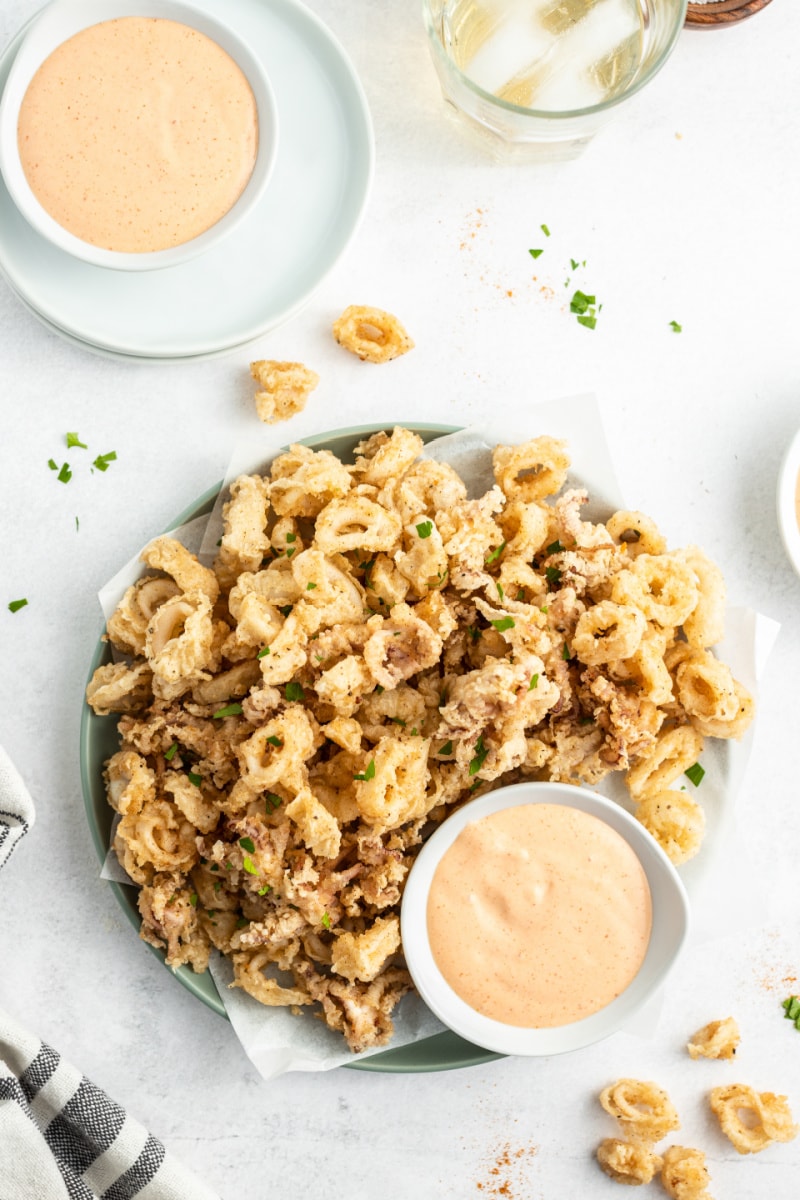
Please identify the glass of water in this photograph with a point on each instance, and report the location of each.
(536, 79)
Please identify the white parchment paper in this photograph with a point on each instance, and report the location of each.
(718, 880)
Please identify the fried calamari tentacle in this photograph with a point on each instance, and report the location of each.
(627, 1162)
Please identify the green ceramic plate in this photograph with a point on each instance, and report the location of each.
(98, 741)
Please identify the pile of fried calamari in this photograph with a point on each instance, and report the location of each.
(371, 650)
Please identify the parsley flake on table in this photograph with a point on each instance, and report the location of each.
(535, 253)
(16, 605)
(369, 773)
(424, 529)
(695, 774)
(230, 710)
(481, 752)
(74, 440)
(589, 321)
(675, 327)
(791, 1010)
(52, 464)
(545, 230)
(102, 460)
(64, 475)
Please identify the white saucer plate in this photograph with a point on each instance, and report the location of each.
(269, 267)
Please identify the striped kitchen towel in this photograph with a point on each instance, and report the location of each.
(61, 1137)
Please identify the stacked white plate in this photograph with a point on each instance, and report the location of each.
(266, 269)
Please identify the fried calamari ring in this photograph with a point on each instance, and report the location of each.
(533, 470)
(684, 1174)
(179, 644)
(661, 586)
(718, 1039)
(706, 625)
(607, 632)
(168, 555)
(627, 1162)
(130, 783)
(636, 531)
(674, 751)
(248, 974)
(395, 791)
(644, 1110)
(119, 688)
(357, 523)
(303, 481)
(386, 456)
(159, 835)
(127, 625)
(371, 333)
(752, 1120)
(286, 388)
(676, 822)
(706, 688)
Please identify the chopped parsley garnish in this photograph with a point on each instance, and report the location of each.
(545, 230)
(77, 525)
(552, 574)
(574, 264)
(74, 440)
(503, 623)
(369, 773)
(534, 683)
(263, 652)
(544, 608)
(230, 710)
(475, 785)
(326, 921)
(16, 605)
(791, 1010)
(535, 253)
(493, 555)
(555, 548)
(398, 721)
(52, 464)
(379, 689)
(590, 322)
(247, 844)
(240, 924)
(310, 587)
(217, 885)
(193, 899)
(695, 774)
(565, 654)
(64, 475)
(500, 591)
(294, 691)
(285, 609)
(215, 866)
(474, 632)
(273, 802)
(447, 748)
(291, 537)
(170, 754)
(262, 891)
(425, 528)
(274, 741)
(290, 551)
(102, 461)
(249, 865)
(521, 594)
(675, 327)
(195, 779)
(415, 732)
(580, 302)
(480, 756)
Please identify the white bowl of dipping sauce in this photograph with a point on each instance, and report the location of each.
(135, 134)
(788, 501)
(538, 918)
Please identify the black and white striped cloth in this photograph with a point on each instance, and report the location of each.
(61, 1136)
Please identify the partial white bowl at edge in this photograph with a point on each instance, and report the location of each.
(669, 929)
(62, 20)
(787, 502)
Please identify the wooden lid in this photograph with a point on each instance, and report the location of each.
(723, 12)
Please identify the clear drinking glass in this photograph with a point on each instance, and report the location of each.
(536, 79)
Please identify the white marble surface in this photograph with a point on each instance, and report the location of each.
(686, 209)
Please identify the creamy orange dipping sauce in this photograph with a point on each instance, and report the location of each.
(138, 134)
(539, 915)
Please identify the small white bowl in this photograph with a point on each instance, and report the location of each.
(669, 929)
(62, 20)
(786, 501)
